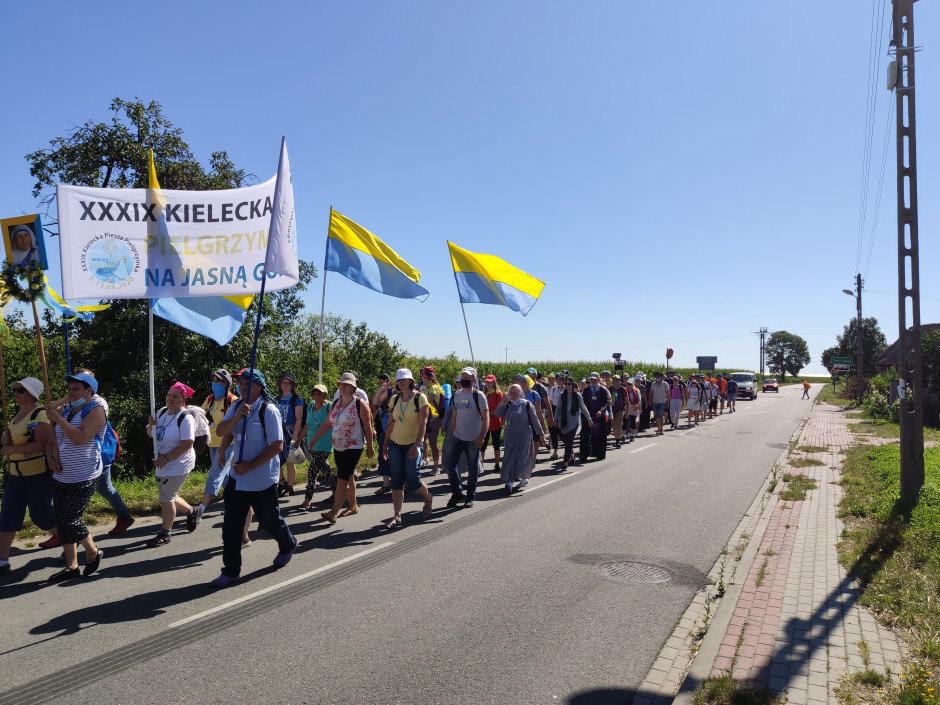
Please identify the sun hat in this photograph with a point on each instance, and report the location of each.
(224, 374)
(532, 371)
(87, 379)
(594, 375)
(31, 385)
(469, 370)
(348, 378)
(404, 373)
(489, 378)
(319, 388)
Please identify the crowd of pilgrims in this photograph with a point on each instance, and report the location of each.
(59, 454)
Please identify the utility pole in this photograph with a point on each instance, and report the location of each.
(910, 370)
(859, 344)
(507, 355)
(762, 332)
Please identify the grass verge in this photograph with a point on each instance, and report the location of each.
(892, 545)
(725, 690)
(797, 487)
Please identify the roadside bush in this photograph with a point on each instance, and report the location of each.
(876, 400)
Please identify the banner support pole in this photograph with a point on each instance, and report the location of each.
(42, 351)
(464, 311)
(150, 369)
(323, 300)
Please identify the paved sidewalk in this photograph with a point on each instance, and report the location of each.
(793, 624)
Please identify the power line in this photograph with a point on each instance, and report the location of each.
(875, 46)
(881, 181)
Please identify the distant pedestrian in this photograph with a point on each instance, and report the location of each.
(408, 413)
(27, 482)
(254, 476)
(79, 435)
(175, 431)
(520, 423)
(805, 389)
(570, 413)
(658, 396)
(469, 424)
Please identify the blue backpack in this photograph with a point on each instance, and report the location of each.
(110, 447)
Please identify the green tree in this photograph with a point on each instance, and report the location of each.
(786, 354)
(113, 154)
(114, 342)
(873, 341)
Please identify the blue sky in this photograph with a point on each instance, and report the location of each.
(679, 175)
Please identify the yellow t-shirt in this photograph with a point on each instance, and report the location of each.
(215, 413)
(21, 433)
(434, 393)
(406, 419)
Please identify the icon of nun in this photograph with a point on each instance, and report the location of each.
(23, 241)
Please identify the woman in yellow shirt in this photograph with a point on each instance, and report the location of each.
(407, 420)
(28, 482)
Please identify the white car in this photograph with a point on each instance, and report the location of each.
(747, 384)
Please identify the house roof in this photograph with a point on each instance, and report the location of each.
(890, 356)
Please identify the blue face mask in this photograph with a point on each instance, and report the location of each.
(218, 390)
(594, 386)
(78, 404)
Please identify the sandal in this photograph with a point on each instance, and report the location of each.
(158, 540)
(394, 523)
(329, 516)
(349, 511)
(426, 512)
(383, 490)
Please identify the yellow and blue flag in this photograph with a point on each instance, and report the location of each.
(357, 254)
(487, 279)
(216, 317)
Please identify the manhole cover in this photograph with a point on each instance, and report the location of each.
(626, 572)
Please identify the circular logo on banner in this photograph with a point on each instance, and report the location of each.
(111, 260)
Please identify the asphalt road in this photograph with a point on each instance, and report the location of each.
(501, 603)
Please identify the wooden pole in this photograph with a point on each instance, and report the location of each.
(3, 389)
(42, 354)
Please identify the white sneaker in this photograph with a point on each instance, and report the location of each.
(523, 483)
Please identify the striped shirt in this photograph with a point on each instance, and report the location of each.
(79, 463)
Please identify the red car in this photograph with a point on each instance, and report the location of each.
(770, 385)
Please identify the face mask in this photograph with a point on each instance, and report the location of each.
(465, 383)
(594, 386)
(218, 390)
(78, 404)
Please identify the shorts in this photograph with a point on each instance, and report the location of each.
(659, 410)
(403, 469)
(497, 437)
(732, 397)
(170, 487)
(713, 404)
(346, 461)
(33, 491)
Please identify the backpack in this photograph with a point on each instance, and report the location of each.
(110, 447)
(200, 424)
(397, 397)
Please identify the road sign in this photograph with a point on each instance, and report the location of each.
(841, 364)
(706, 364)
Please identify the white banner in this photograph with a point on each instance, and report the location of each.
(143, 243)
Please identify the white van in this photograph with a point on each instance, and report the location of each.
(747, 384)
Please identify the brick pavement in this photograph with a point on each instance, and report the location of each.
(795, 626)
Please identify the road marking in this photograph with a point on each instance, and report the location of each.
(266, 590)
(640, 450)
(568, 473)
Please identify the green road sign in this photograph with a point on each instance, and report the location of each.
(841, 364)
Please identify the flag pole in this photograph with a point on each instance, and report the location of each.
(278, 195)
(153, 393)
(472, 359)
(42, 351)
(323, 299)
(68, 359)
